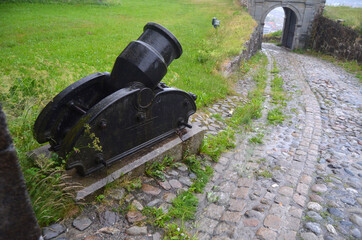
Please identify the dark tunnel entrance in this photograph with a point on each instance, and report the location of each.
(290, 21)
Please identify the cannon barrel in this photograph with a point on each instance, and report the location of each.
(146, 59)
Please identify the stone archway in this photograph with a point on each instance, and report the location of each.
(299, 16)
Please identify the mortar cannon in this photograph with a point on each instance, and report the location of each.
(104, 117)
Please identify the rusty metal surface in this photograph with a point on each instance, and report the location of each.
(17, 219)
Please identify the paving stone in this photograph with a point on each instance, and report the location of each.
(253, 214)
(241, 192)
(316, 198)
(182, 167)
(154, 203)
(314, 215)
(203, 236)
(223, 198)
(148, 189)
(266, 234)
(108, 230)
(175, 184)
(313, 227)
(135, 230)
(237, 205)
(169, 197)
(109, 218)
(295, 212)
(207, 225)
(53, 231)
(308, 236)
(135, 216)
(186, 181)
(336, 212)
(319, 188)
(224, 228)
(293, 223)
(299, 199)
(228, 187)
(306, 179)
(165, 185)
(331, 229)
(356, 219)
(214, 211)
(245, 182)
(287, 235)
(138, 205)
(233, 217)
(272, 221)
(302, 188)
(286, 191)
(156, 236)
(313, 206)
(356, 233)
(250, 222)
(82, 222)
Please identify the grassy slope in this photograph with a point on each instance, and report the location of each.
(352, 16)
(46, 47)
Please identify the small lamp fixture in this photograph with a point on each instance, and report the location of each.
(215, 22)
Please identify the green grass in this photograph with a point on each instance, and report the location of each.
(46, 47)
(352, 17)
(215, 145)
(157, 169)
(258, 139)
(275, 116)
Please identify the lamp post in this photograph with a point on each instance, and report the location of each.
(215, 22)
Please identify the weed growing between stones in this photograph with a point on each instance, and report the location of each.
(202, 173)
(275, 116)
(157, 169)
(213, 146)
(278, 97)
(258, 139)
(184, 206)
(174, 232)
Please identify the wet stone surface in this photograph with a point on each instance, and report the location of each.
(303, 181)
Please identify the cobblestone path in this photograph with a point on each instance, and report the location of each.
(303, 182)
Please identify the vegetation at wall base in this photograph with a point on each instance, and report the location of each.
(48, 44)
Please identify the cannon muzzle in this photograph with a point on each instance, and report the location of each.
(145, 60)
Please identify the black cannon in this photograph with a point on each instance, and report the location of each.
(104, 117)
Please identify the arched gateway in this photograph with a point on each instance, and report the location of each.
(299, 16)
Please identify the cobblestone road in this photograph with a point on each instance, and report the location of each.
(303, 182)
(314, 187)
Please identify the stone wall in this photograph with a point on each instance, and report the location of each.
(250, 48)
(243, 3)
(333, 38)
